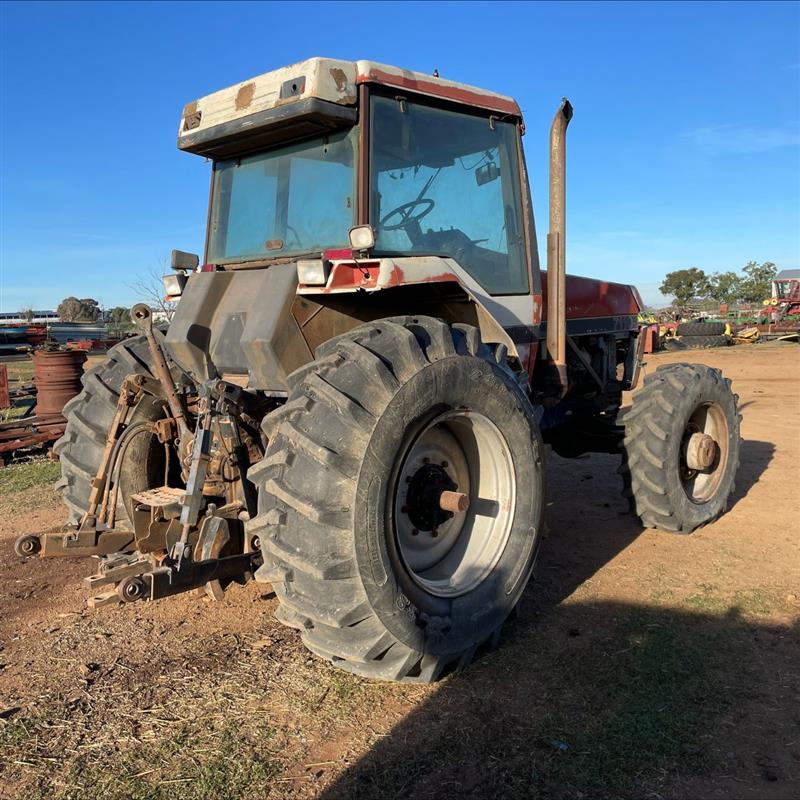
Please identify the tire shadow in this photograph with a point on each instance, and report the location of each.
(755, 457)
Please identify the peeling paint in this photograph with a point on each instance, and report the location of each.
(340, 79)
(245, 96)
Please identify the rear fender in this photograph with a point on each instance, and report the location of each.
(254, 327)
(374, 288)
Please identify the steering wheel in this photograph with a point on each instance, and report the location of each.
(404, 212)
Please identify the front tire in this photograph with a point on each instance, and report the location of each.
(366, 564)
(681, 447)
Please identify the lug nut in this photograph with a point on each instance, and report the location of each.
(414, 531)
(435, 532)
(445, 464)
(426, 460)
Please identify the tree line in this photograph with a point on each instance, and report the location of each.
(750, 287)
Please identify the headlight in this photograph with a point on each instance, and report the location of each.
(312, 272)
(362, 237)
(173, 284)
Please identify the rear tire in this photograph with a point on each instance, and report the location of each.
(337, 518)
(666, 487)
(89, 416)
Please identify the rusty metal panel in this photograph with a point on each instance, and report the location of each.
(434, 86)
(5, 397)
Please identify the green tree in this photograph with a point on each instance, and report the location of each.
(119, 321)
(71, 309)
(685, 285)
(725, 287)
(757, 281)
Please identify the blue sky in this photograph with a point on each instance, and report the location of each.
(684, 149)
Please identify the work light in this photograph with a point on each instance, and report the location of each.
(312, 272)
(174, 283)
(362, 237)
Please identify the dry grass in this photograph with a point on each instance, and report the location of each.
(19, 477)
(643, 665)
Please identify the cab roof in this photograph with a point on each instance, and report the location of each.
(321, 91)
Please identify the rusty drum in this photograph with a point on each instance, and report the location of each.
(57, 375)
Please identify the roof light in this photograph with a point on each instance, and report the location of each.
(362, 237)
(312, 272)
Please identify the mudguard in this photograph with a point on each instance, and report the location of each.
(252, 327)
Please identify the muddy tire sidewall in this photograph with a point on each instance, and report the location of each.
(404, 607)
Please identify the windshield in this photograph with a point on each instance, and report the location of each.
(287, 201)
(781, 288)
(447, 183)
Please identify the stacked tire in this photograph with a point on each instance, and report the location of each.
(696, 335)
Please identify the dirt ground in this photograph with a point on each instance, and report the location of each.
(641, 664)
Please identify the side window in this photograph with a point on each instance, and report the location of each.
(479, 210)
(247, 198)
(447, 183)
(297, 198)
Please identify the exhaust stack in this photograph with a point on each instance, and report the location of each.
(556, 245)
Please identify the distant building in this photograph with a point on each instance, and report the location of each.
(16, 318)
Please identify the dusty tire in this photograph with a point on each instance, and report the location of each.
(332, 508)
(672, 344)
(702, 342)
(701, 329)
(666, 488)
(89, 416)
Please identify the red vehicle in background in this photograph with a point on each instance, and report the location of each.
(785, 300)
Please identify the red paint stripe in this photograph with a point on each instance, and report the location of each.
(454, 93)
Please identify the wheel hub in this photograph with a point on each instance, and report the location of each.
(704, 452)
(701, 451)
(454, 500)
(423, 498)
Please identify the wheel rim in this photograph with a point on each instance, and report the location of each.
(449, 553)
(704, 452)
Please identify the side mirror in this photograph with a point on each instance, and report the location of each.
(181, 260)
(487, 173)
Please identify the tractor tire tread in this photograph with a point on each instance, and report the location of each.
(334, 405)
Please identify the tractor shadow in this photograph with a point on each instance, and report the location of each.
(588, 698)
(602, 699)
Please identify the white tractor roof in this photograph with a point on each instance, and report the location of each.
(325, 79)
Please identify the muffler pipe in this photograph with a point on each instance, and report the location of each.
(556, 246)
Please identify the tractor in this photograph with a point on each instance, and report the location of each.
(784, 302)
(352, 400)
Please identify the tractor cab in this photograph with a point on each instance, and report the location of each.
(304, 154)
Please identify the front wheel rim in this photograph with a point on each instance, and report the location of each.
(450, 553)
(700, 481)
